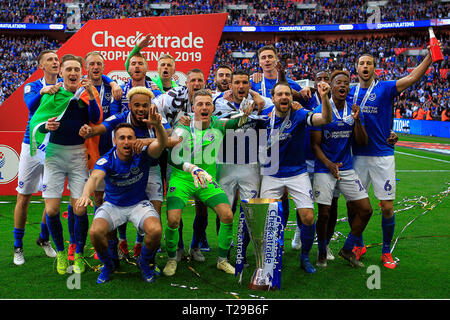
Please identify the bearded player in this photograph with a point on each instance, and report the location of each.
(375, 163)
(285, 136)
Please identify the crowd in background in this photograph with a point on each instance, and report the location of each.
(303, 57)
(18, 60)
(303, 61)
(257, 13)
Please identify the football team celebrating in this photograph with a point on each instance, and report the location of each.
(255, 135)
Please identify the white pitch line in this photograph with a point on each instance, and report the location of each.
(415, 155)
(422, 170)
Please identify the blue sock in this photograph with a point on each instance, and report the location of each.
(359, 241)
(44, 235)
(307, 239)
(55, 228)
(81, 229)
(195, 239)
(350, 242)
(112, 248)
(322, 246)
(122, 231)
(18, 236)
(106, 258)
(388, 226)
(139, 238)
(71, 223)
(203, 223)
(147, 256)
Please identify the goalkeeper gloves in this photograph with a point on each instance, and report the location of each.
(200, 176)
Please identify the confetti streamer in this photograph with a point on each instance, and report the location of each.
(254, 296)
(234, 294)
(183, 286)
(426, 203)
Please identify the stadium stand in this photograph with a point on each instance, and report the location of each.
(396, 54)
(18, 55)
(267, 12)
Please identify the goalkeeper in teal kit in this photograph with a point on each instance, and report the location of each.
(193, 164)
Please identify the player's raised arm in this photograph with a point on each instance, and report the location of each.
(157, 146)
(51, 89)
(326, 116)
(141, 44)
(415, 75)
(361, 136)
(116, 91)
(258, 99)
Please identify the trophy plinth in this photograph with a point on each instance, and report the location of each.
(258, 281)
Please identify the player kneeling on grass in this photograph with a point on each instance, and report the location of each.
(126, 175)
(189, 160)
(331, 144)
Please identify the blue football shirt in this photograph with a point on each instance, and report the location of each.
(125, 182)
(32, 98)
(377, 114)
(311, 104)
(291, 158)
(336, 141)
(141, 132)
(264, 87)
(109, 107)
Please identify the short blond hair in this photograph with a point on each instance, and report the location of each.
(202, 93)
(166, 56)
(94, 53)
(140, 90)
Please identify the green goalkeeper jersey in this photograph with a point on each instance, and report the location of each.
(199, 147)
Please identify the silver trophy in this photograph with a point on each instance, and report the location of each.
(256, 212)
